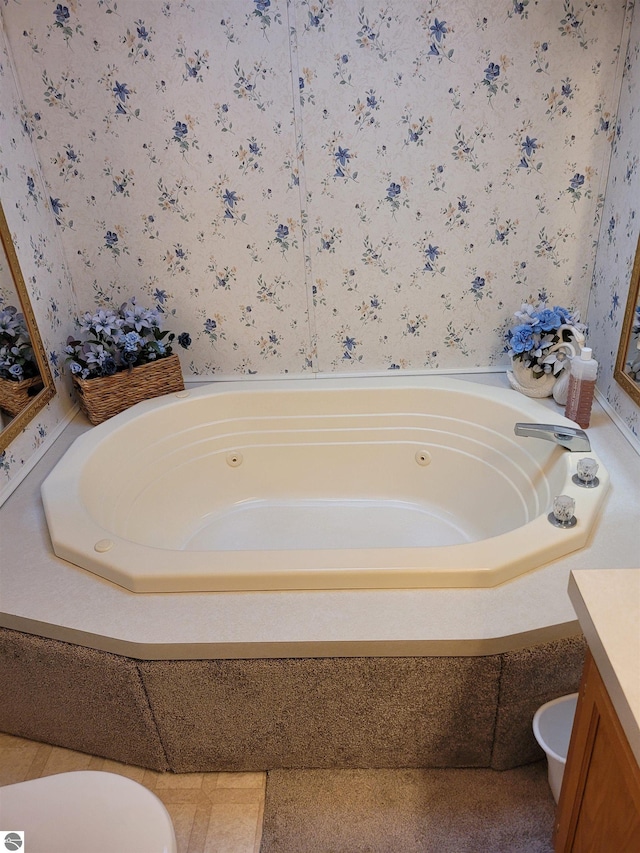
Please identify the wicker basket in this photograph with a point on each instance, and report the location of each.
(105, 396)
(14, 396)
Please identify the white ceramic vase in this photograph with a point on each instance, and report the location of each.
(522, 379)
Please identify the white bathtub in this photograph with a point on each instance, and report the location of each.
(400, 482)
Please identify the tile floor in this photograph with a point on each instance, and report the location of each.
(211, 812)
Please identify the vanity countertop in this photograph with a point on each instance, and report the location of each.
(607, 602)
(45, 595)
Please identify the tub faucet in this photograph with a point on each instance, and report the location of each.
(569, 437)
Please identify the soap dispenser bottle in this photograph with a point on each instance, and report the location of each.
(582, 384)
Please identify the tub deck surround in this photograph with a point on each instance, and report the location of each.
(394, 483)
(45, 595)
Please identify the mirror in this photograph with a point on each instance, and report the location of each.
(627, 369)
(26, 384)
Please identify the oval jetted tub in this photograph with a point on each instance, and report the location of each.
(399, 482)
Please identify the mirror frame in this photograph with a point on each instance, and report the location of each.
(622, 378)
(40, 400)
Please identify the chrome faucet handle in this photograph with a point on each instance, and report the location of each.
(586, 471)
(562, 512)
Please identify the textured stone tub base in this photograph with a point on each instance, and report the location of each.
(265, 714)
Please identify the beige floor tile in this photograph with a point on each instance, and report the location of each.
(196, 796)
(232, 828)
(259, 825)
(179, 781)
(40, 761)
(182, 817)
(15, 762)
(12, 740)
(241, 780)
(200, 829)
(128, 770)
(64, 760)
(150, 778)
(235, 795)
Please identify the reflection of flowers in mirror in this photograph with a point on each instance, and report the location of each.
(633, 368)
(545, 339)
(17, 361)
(120, 339)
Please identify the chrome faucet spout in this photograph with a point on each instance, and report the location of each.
(570, 437)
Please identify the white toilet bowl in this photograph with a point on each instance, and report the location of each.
(86, 811)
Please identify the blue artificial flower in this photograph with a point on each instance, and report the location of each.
(522, 339)
(131, 341)
(109, 367)
(104, 322)
(564, 315)
(548, 319)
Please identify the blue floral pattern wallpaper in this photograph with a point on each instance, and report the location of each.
(330, 186)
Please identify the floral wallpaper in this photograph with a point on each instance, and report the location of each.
(619, 235)
(30, 221)
(318, 185)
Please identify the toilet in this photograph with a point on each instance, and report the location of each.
(86, 811)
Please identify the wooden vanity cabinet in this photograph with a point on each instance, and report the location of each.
(599, 807)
